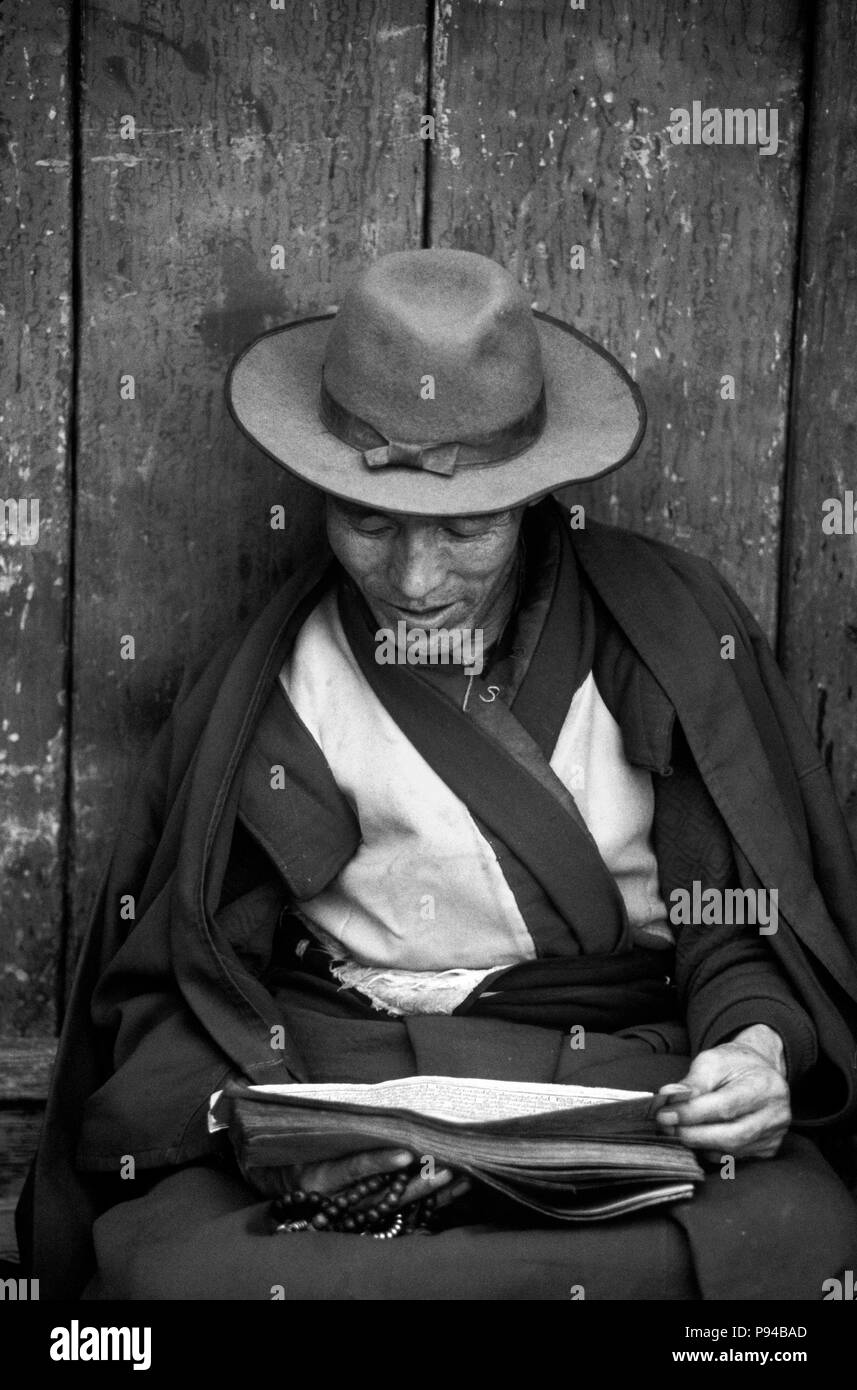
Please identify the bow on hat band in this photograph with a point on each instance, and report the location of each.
(434, 458)
(443, 458)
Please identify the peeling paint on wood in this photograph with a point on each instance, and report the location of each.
(820, 599)
(35, 369)
(25, 1069)
(301, 128)
(553, 133)
(254, 127)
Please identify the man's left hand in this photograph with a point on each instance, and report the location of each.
(740, 1098)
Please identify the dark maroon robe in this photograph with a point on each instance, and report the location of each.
(189, 993)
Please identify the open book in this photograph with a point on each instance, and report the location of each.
(577, 1153)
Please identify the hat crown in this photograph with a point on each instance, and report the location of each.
(434, 345)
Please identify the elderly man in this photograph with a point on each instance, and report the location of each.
(479, 794)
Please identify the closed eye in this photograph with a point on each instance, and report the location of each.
(467, 527)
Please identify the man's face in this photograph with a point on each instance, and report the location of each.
(430, 572)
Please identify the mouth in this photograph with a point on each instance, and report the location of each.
(424, 617)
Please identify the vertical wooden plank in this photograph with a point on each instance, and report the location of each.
(253, 128)
(35, 377)
(25, 1068)
(819, 630)
(553, 133)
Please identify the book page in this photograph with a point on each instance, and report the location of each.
(453, 1098)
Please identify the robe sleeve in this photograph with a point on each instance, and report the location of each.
(727, 975)
(729, 979)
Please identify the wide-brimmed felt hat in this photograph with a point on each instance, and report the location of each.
(436, 390)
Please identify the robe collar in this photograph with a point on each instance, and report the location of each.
(591, 640)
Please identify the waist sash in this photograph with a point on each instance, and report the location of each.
(603, 993)
(599, 993)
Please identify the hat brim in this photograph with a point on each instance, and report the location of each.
(596, 419)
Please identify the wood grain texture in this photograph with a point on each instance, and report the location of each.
(254, 128)
(25, 1069)
(819, 628)
(301, 127)
(20, 1126)
(552, 132)
(35, 375)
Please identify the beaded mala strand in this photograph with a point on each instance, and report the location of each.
(346, 1211)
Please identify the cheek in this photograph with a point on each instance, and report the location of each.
(361, 558)
(487, 563)
(357, 556)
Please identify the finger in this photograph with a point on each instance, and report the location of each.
(710, 1069)
(668, 1097)
(737, 1139)
(451, 1193)
(769, 1109)
(341, 1172)
(420, 1187)
(739, 1097)
(675, 1091)
(726, 1062)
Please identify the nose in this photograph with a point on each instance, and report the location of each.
(417, 570)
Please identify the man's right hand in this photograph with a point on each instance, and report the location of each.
(334, 1174)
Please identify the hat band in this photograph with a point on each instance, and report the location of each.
(494, 446)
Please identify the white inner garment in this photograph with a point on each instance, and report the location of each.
(422, 912)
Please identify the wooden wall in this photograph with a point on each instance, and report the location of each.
(36, 366)
(255, 127)
(818, 601)
(689, 251)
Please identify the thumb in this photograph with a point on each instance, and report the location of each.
(707, 1071)
(677, 1091)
